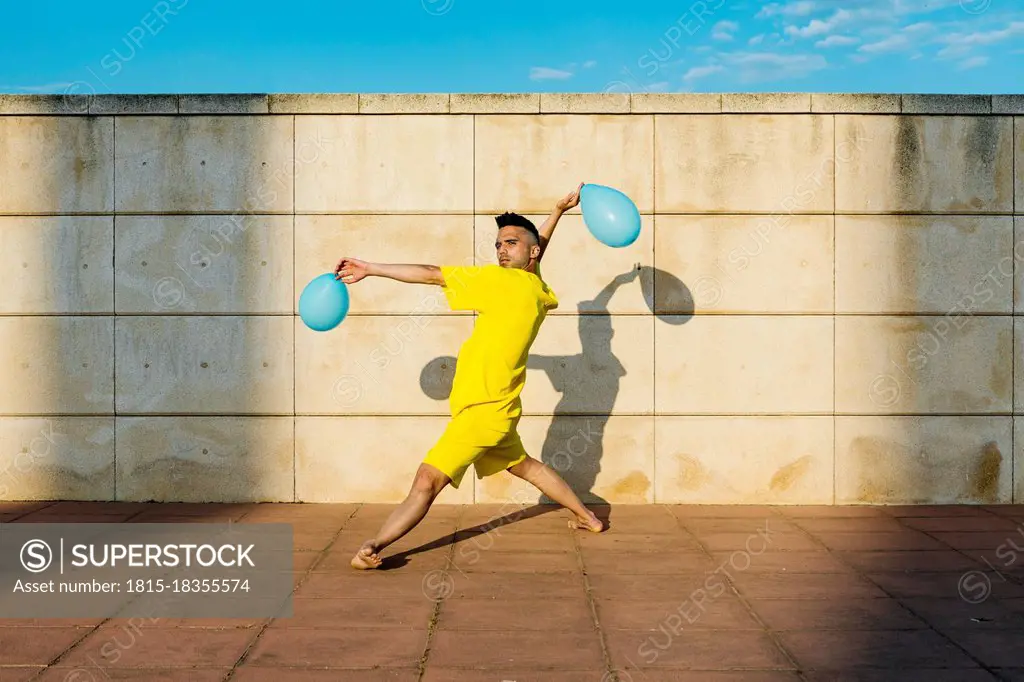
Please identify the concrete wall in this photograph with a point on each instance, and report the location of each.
(825, 314)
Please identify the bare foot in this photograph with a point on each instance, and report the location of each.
(366, 557)
(589, 522)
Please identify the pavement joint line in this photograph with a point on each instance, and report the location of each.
(1006, 578)
(772, 511)
(64, 654)
(435, 613)
(295, 588)
(864, 576)
(33, 511)
(592, 605)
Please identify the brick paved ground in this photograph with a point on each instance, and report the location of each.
(668, 593)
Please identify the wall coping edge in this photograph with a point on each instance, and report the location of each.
(558, 103)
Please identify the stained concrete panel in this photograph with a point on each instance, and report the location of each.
(923, 460)
(204, 264)
(56, 164)
(205, 365)
(744, 460)
(205, 459)
(927, 164)
(205, 164)
(743, 264)
(743, 364)
(56, 365)
(527, 163)
(744, 163)
(923, 365)
(950, 265)
(54, 265)
(57, 458)
(399, 163)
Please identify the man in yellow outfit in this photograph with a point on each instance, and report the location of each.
(512, 301)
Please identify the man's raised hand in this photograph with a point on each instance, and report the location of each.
(570, 200)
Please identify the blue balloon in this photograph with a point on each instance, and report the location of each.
(610, 215)
(324, 303)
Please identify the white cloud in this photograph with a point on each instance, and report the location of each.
(874, 31)
(837, 41)
(893, 43)
(800, 8)
(906, 38)
(721, 30)
(817, 27)
(756, 40)
(972, 63)
(917, 6)
(870, 16)
(541, 73)
(898, 8)
(772, 59)
(959, 44)
(589, 64)
(47, 89)
(767, 66)
(702, 72)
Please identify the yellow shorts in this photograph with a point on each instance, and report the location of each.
(490, 445)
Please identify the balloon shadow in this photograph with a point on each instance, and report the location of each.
(437, 376)
(666, 296)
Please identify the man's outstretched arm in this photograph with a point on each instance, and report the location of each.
(351, 270)
(548, 228)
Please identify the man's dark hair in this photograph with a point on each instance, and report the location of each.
(507, 218)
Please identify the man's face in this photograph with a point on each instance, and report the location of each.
(515, 247)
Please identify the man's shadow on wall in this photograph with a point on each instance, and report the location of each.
(588, 381)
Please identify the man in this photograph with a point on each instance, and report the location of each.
(512, 301)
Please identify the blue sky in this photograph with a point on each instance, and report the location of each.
(202, 46)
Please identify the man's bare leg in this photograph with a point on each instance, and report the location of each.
(426, 486)
(551, 484)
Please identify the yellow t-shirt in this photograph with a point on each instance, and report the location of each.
(491, 367)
